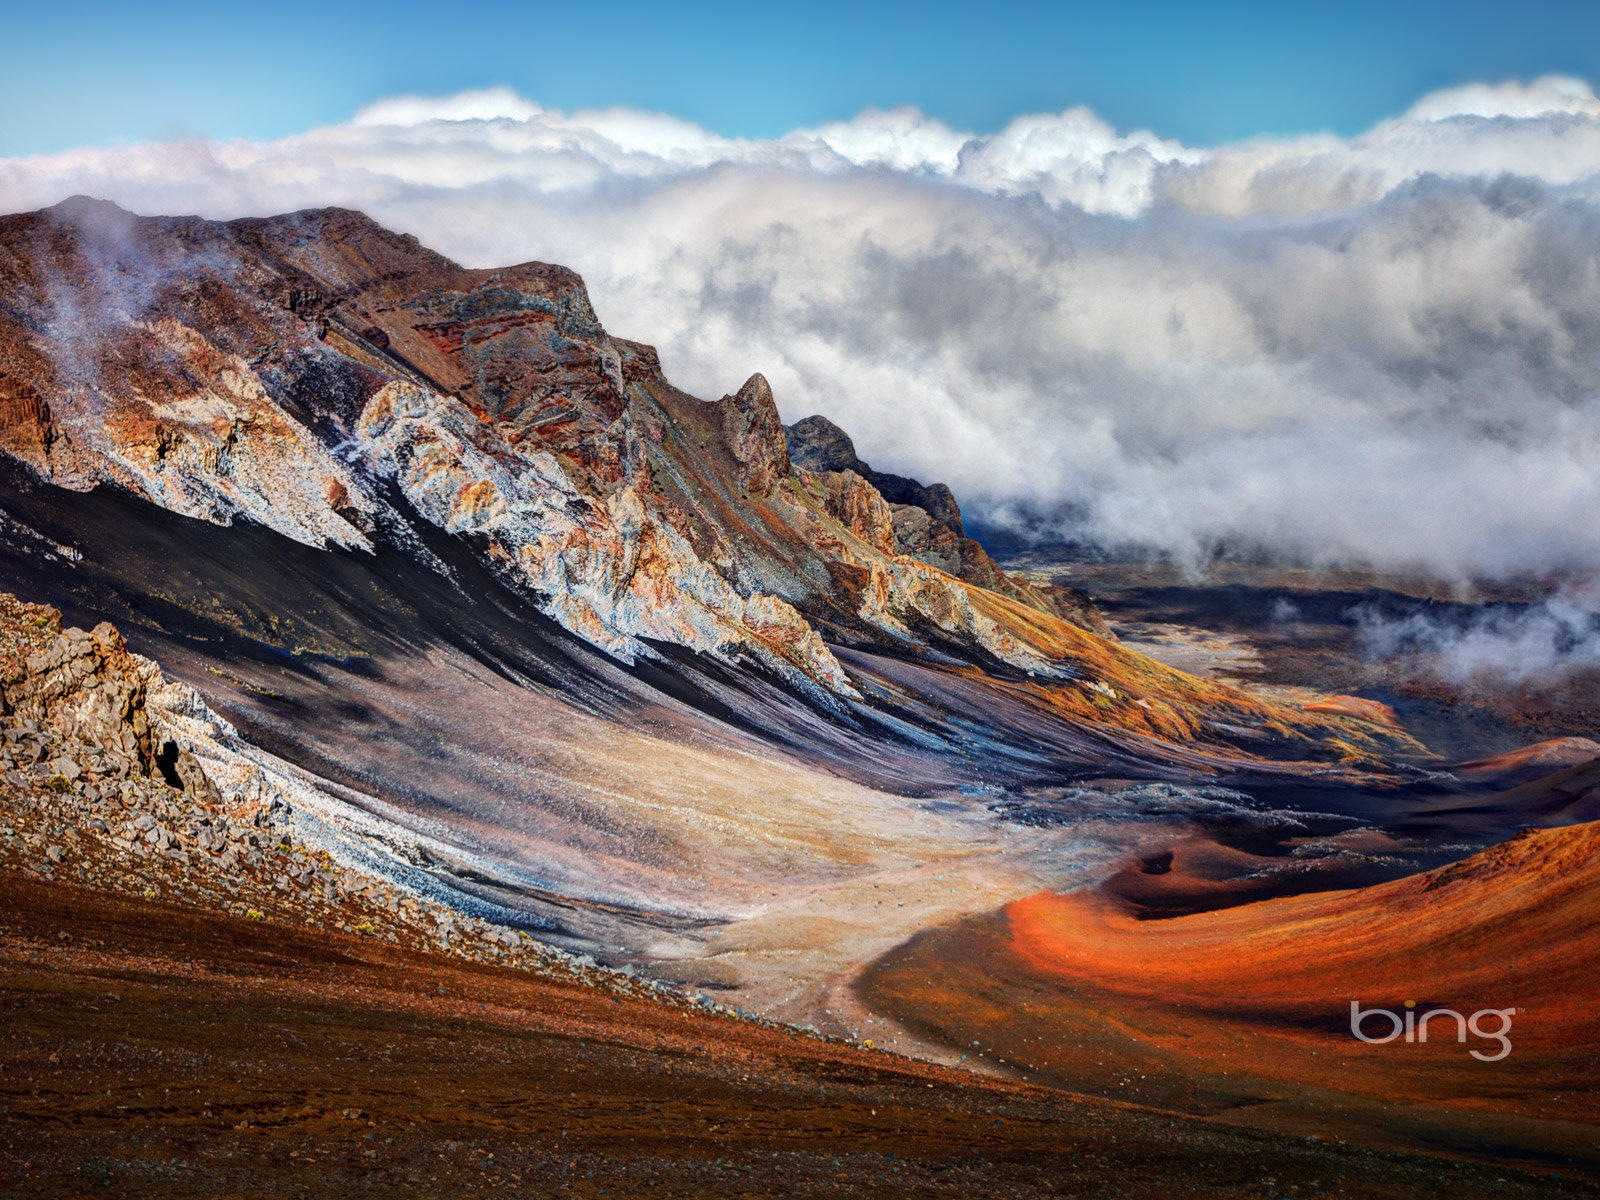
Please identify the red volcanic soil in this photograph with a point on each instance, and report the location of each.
(1245, 1012)
(1354, 706)
(156, 1050)
(1542, 757)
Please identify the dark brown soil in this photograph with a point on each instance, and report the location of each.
(153, 1050)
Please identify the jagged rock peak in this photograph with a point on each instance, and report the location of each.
(755, 435)
(755, 390)
(926, 524)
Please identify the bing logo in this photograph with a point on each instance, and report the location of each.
(1413, 1027)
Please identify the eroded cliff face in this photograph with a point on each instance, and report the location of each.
(312, 372)
(608, 567)
(137, 360)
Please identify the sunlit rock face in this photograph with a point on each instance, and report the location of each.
(859, 507)
(333, 381)
(281, 371)
(134, 360)
(754, 435)
(86, 689)
(926, 524)
(608, 567)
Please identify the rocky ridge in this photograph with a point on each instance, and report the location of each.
(277, 370)
(331, 380)
(925, 524)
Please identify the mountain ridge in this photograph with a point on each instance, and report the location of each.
(926, 524)
(291, 370)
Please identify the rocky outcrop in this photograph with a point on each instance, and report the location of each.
(817, 444)
(755, 436)
(26, 426)
(102, 784)
(858, 506)
(927, 526)
(108, 378)
(608, 569)
(923, 536)
(87, 689)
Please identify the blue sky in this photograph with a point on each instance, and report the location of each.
(84, 72)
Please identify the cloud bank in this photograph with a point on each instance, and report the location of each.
(1540, 643)
(1383, 349)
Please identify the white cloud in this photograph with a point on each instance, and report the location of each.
(1548, 95)
(1071, 159)
(486, 104)
(903, 139)
(1381, 349)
